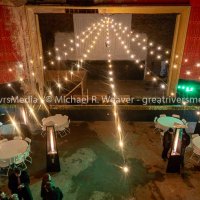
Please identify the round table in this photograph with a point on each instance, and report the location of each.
(169, 121)
(58, 121)
(196, 142)
(12, 148)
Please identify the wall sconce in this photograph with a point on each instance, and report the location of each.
(53, 163)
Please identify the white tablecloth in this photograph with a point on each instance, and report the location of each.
(169, 121)
(12, 148)
(196, 142)
(59, 121)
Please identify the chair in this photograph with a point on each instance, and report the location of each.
(176, 116)
(17, 138)
(27, 155)
(161, 136)
(28, 140)
(184, 121)
(63, 131)
(19, 160)
(43, 133)
(28, 151)
(195, 155)
(162, 115)
(67, 126)
(5, 166)
(195, 135)
(157, 126)
(4, 140)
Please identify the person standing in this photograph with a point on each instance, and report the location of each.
(52, 192)
(185, 142)
(167, 143)
(45, 179)
(18, 183)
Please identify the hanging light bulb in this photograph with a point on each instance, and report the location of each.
(175, 66)
(159, 57)
(59, 85)
(159, 48)
(154, 79)
(150, 44)
(21, 66)
(198, 64)
(188, 72)
(151, 52)
(162, 86)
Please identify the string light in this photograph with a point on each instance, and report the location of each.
(58, 58)
(151, 44)
(184, 103)
(159, 48)
(50, 92)
(159, 57)
(172, 94)
(125, 169)
(162, 86)
(59, 85)
(121, 144)
(21, 66)
(188, 72)
(151, 52)
(154, 79)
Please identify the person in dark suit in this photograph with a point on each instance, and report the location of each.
(18, 183)
(52, 192)
(167, 143)
(45, 179)
(185, 142)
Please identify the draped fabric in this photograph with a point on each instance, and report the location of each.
(10, 44)
(192, 45)
(11, 37)
(81, 24)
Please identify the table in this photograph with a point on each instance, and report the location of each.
(12, 148)
(196, 142)
(169, 121)
(58, 120)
